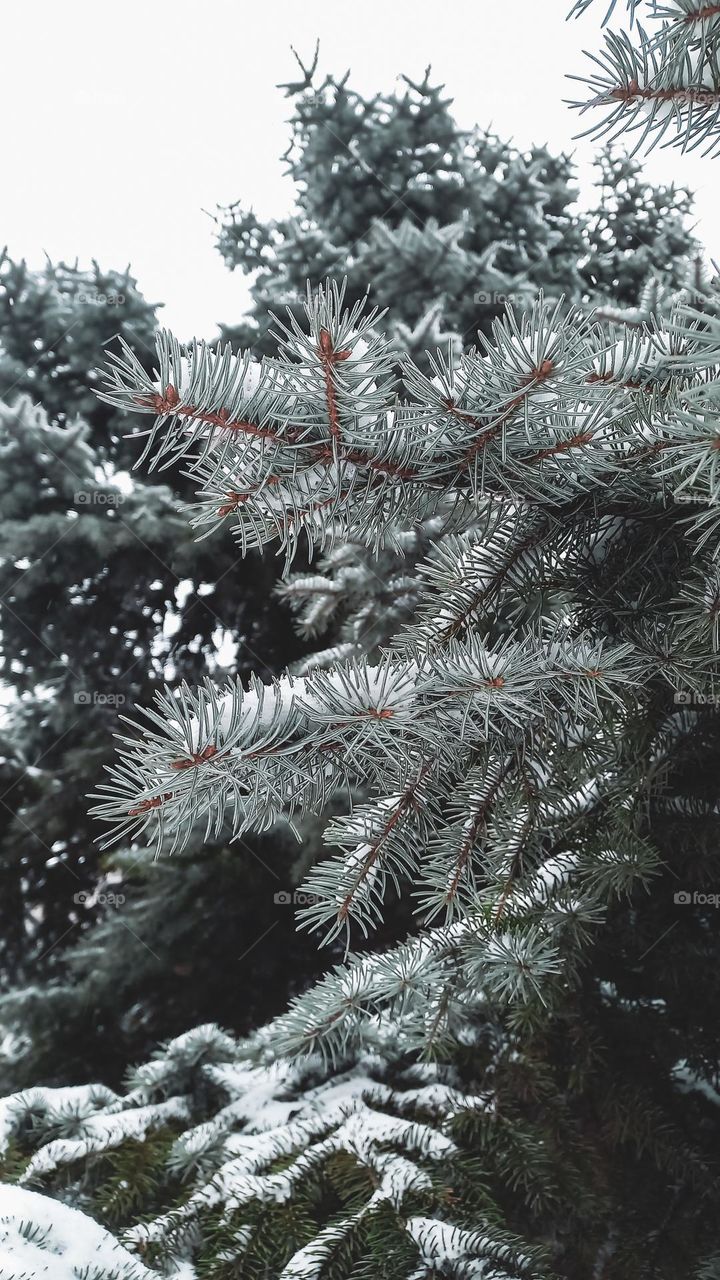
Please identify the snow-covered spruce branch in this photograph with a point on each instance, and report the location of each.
(543, 413)
(282, 1131)
(690, 13)
(250, 758)
(279, 456)
(485, 739)
(312, 733)
(663, 86)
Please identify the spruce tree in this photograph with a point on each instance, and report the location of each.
(660, 86)
(481, 224)
(105, 595)
(537, 749)
(527, 1085)
(54, 325)
(444, 225)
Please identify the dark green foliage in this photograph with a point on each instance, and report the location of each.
(583, 1146)
(138, 1180)
(54, 327)
(589, 1146)
(197, 936)
(635, 231)
(104, 595)
(600, 1135)
(133, 1180)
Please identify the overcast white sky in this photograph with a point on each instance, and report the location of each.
(123, 122)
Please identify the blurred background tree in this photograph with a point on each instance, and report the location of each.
(105, 596)
(443, 224)
(54, 324)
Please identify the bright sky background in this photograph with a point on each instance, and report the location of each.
(123, 122)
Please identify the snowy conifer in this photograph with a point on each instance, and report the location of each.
(525, 745)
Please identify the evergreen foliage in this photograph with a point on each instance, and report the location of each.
(637, 235)
(105, 595)
(273, 1168)
(443, 225)
(658, 86)
(514, 725)
(54, 325)
(485, 224)
(531, 754)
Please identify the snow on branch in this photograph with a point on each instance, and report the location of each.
(663, 86)
(484, 723)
